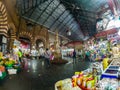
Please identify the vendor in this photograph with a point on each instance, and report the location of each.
(1, 55)
(115, 51)
(7, 55)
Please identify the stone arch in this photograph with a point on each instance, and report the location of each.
(27, 35)
(3, 19)
(42, 39)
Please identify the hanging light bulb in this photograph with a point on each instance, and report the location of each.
(68, 32)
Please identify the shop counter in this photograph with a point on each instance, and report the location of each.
(111, 71)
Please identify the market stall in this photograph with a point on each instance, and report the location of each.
(112, 70)
(100, 76)
(9, 64)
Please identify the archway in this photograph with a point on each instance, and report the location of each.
(3, 27)
(40, 46)
(25, 44)
(26, 40)
(26, 35)
(40, 39)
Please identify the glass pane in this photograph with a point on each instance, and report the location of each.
(62, 7)
(50, 19)
(44, 15)
(34, 2)
(55, 25)
(41, 20)
(48, 11)
(55, 14)
(63, 16)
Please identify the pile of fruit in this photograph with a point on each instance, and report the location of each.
(9, 63)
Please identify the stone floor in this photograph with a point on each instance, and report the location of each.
(36, 76)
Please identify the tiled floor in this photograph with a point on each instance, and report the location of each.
(38, 77)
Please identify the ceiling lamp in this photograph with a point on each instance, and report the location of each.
(68, 32)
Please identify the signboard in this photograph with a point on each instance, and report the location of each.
(4, 39)
(16, 43)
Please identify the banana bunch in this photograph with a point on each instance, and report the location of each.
(1, 62)
(11, 62)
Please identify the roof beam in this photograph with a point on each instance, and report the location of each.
(31, 8)
(87, 19)
(44, 10)
(83, 10)
(51, 13)
(64, 24)
(87, 15)
(57, 18)
(71, 24)
(69, 20)
(62, 21)
(32, 2)
(27, 4)
(24, 5)
(30, 14)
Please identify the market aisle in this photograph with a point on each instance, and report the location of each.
(37, 77)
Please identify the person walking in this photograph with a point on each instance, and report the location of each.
(74, 56)
(20, 55)
(87, 57)
(47, 57)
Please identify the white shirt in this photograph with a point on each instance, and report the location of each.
(47, 54)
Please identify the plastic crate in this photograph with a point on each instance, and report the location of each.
(3, 75)
(12, 71)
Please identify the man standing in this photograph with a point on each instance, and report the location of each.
(115, 51)
(20, 55)
(47, 57)
(74, 56)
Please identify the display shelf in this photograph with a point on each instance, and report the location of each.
(3, 75)
(111, 71)
(112, 67)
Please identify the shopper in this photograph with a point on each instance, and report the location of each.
(87, 57)
(82, 54)
(115, 51)
(47, 57)
(20, 55)
(7, 55)
(74, 56)
(52, 56)
(79, 54)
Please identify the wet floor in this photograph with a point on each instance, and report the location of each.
(36, 76)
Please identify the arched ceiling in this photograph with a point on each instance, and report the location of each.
(78, 16)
